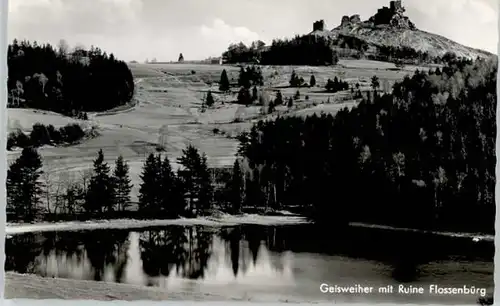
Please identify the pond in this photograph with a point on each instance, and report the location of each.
(262, 263)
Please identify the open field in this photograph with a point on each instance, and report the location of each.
(167, 110)
(24, 118)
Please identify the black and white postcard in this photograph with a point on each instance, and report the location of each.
(263, 151)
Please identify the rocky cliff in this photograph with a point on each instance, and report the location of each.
(390, 27)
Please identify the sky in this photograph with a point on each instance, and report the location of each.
(161, 29)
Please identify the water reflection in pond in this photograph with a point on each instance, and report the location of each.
(277, 263)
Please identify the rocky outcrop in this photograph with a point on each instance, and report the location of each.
(349, 21)
(354, 19)
(345, 21)
(401, 22)
(392, 16)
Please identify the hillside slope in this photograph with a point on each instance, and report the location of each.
(435, 45)
(388, 29)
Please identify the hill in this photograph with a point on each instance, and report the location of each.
(390, 29)
(388, 36)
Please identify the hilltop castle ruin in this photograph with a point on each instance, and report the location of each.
(319, 25)
(386, 16)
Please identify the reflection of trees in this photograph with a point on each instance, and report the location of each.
(105, 249)
(234, 245)
(64, 244)
(254, 237)
(21, 252)
(233, 236)
(186, 249)
(200, 242)
(160, 250)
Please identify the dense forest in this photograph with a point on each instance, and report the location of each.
(318, 51)
(423, 156)
(300, 50)
(64, 81)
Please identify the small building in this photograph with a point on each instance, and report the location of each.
(216, 61)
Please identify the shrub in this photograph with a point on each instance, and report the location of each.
(72, 133)
(39, 135)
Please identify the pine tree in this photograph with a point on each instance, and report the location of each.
(101, 194)
(224, 81)
(195, 179)
(375, 82)
(294, 79)
(23, 186)
(122, 184)
(271, 108)
(171, 200)
(150, 188)
(209, 101)
(244, 79)
(205, 195)
(312, 81)
(290, 102)
(297, 95)
(255, 94)
(279, 98)
(244, 96)
(236, 188)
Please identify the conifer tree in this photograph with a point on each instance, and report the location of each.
(255, 94)
(24, 189)
(243, 79)
(312, 81)
(224, 81)
(297, 95)
(279, 98)
(196, 179)
(149, 191)
(209, 101)
(244, 96)
(236, 188)
(101, 193)
(375, 82)
(171, 200)
(271, 108)
(122, 183)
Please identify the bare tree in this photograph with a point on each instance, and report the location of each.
(73, 196)
(85, 176)
(47, 177)
(58, 191)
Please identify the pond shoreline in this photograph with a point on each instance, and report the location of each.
(221, 220)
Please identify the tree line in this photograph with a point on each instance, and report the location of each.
(64, 81)
(45, 135)
(300, 50)
(319, 51)
(422, 156)
(190, 191)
